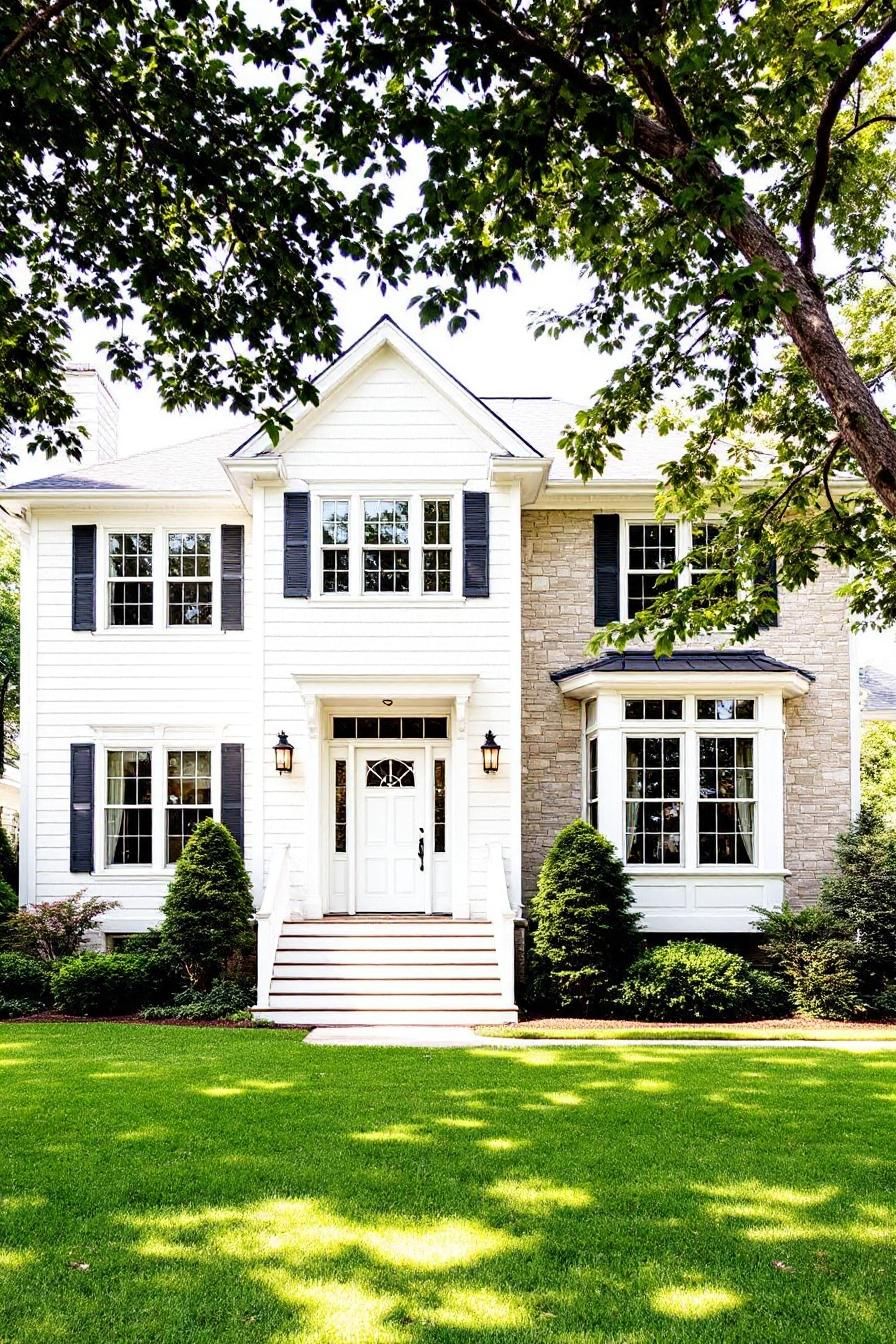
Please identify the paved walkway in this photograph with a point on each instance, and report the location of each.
(466, 1037)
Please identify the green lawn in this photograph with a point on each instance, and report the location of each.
(169, 1184)
(757, 1031)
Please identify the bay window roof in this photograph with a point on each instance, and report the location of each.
(692, 667)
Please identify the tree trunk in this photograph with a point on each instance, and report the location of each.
(865, 430)
(4, 689)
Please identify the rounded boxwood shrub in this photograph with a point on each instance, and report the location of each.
(585, 930)
(24, 978)
(698, 982)
(99, 984)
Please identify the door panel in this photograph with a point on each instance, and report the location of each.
(390, 792)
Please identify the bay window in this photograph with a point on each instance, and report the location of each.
(677, 779)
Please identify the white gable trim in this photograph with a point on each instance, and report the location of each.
(386, 334)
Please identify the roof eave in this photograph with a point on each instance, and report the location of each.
(582, 684)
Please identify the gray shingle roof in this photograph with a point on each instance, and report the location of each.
(683, 660)
(878, 689)
(192, 466)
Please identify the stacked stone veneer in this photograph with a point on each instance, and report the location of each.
(558, 621)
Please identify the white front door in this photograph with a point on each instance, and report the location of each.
(390, 793)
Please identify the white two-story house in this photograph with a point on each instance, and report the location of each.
(363, 651)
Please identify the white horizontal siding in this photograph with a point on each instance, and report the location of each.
(387, 428)
(125, 686)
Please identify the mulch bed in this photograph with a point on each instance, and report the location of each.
(134, 1021)
(760, 1024)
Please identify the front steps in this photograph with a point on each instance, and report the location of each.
(386, 972)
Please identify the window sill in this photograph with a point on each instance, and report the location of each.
(705, 870)
(407, 601)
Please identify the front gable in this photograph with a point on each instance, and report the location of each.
(388, 411)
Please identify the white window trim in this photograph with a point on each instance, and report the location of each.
(684, 544)
(415, 596)
(158, 747)
(767, 732)
(214, 565)
(159, 581)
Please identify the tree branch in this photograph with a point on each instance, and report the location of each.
(860, 58)
(884, 116)
(42, 19)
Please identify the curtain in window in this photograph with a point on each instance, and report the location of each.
(114, 814)
(633, 808)
(744, 786)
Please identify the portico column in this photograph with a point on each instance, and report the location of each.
(314, 786)
(460, 811)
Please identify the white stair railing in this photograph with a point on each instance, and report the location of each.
(502, 916)
(270, 916)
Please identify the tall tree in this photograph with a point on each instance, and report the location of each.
(722, 174)
(9, 650)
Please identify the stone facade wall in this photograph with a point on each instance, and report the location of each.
(558, 620)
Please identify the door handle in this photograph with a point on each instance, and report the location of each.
(420, 849)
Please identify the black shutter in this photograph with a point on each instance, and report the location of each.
(768, 578)
(232, 789)
(232, 577)
(84, 577)
(475, 543)
(81, 808)
(296, 544)
(606, 568)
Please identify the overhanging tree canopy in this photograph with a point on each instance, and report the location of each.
(722, 173)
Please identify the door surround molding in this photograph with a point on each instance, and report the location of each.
(328, 694)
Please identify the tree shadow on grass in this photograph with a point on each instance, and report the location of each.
(247, 1188)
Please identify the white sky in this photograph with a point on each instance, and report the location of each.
(496, 356)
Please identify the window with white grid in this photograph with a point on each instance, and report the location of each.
(189, 578)
(334, 535)
(387, 567)
(437, 546)
(189, 798)
(129, 578)
(651, 554)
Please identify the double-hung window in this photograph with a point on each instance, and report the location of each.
(189, 798)
(128, 813)
(651, 554)
(591, 776)
(129, 582)
(726, 826)
(189, 578)
(653, 800)
(437, 546)
(334, 535)
(387, 555)
(707, 561)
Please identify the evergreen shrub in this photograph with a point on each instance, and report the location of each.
(585, 930)
(698, 982)
(208, 912)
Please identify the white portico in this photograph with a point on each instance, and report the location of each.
(388, 763)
